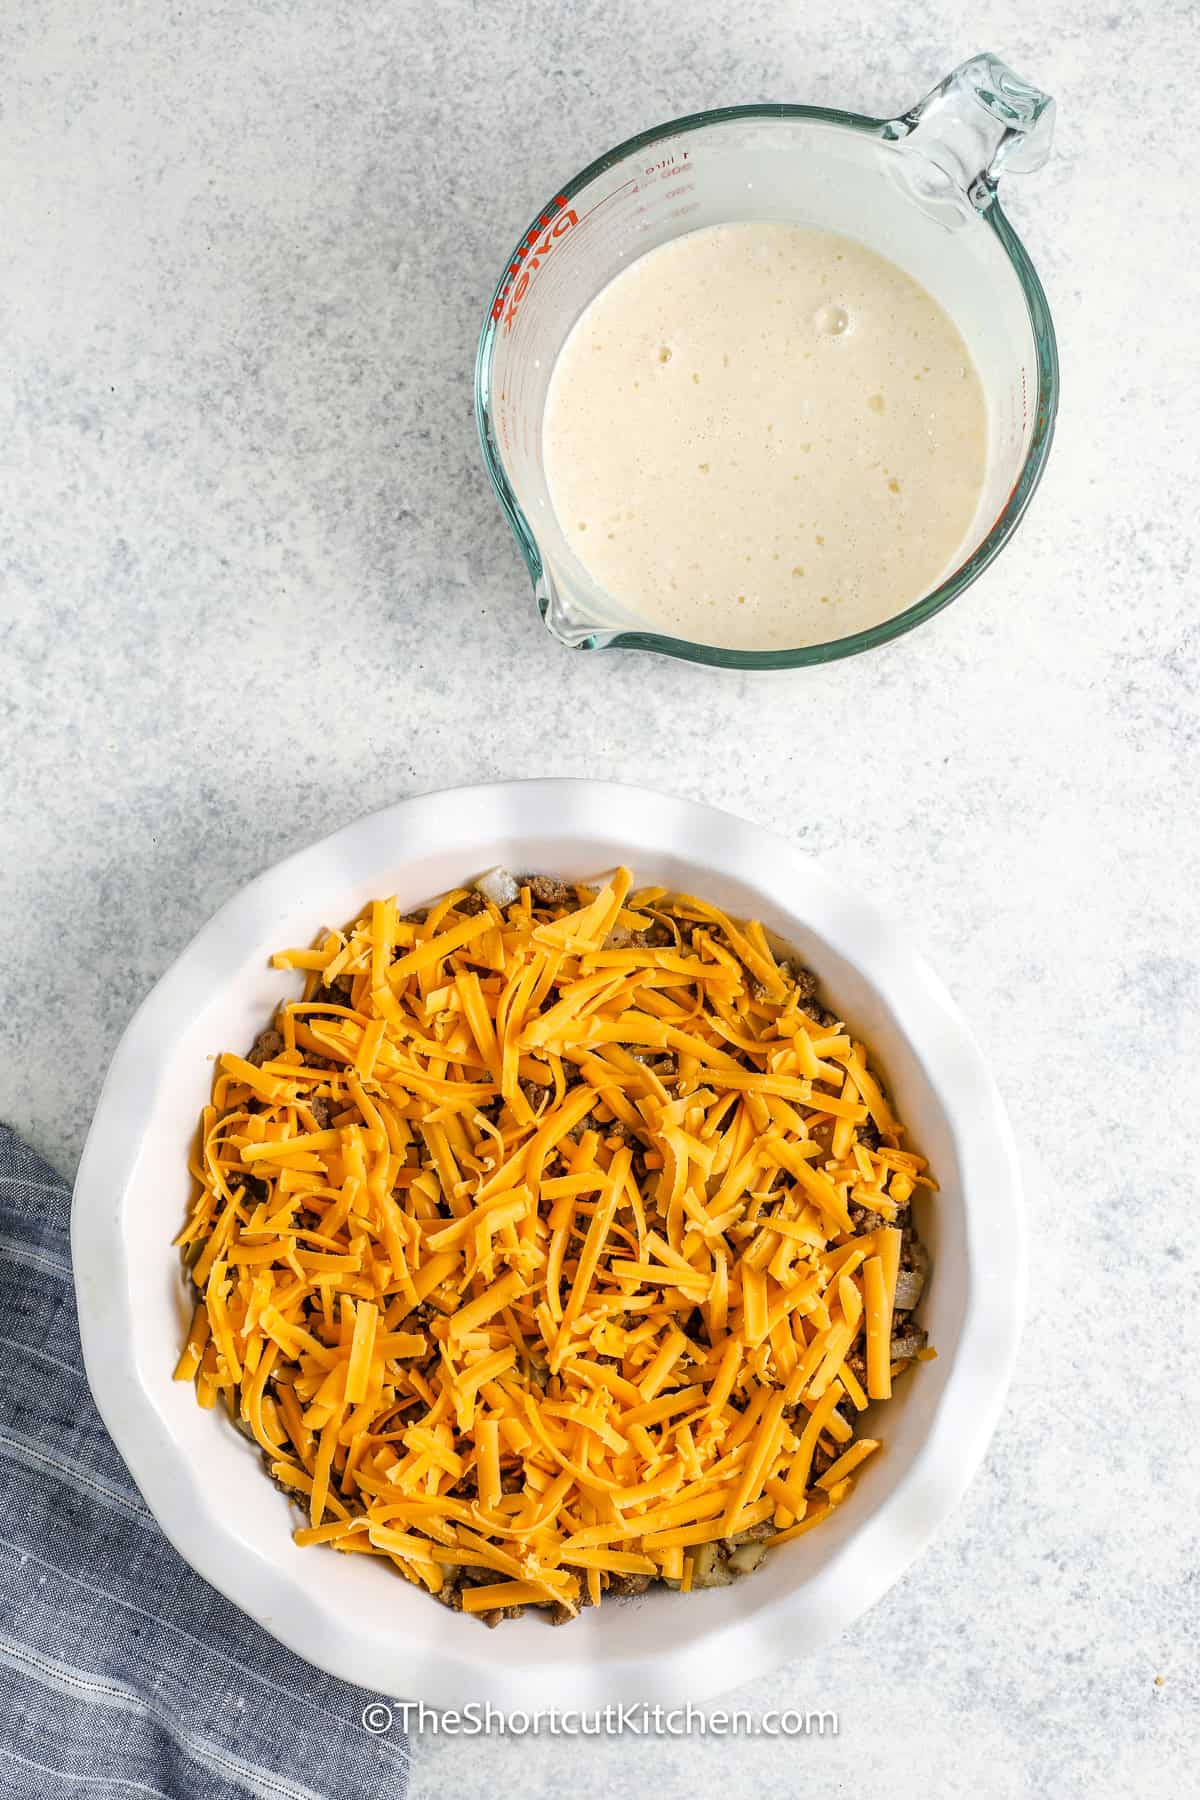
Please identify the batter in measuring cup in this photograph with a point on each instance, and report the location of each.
(762, 435)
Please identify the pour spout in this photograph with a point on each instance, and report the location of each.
(563, 618)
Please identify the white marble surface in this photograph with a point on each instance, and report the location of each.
(254, 583)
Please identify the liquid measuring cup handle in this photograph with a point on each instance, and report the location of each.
(981, 122)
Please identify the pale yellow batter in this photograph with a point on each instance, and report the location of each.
(762, 436)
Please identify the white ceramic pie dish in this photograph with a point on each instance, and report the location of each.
(205, 1484)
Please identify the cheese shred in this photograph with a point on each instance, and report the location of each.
(549, 1250)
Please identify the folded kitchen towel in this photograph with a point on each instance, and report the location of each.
(122, 1673)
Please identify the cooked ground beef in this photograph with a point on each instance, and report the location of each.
(863, 1219)
(547, 891)
(535, 1094)
(339, 992)
(267, 1046)
(629, 1584)
(805, 980)
(912, 1251)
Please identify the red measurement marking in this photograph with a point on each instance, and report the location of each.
(531, 255)
(550, 229)
(631, 183)
(530, 249)
(668, 163)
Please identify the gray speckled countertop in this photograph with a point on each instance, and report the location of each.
(255, 583)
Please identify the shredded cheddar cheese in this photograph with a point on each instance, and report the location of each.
(526, 1247)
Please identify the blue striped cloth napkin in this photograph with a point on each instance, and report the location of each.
(122, 1673)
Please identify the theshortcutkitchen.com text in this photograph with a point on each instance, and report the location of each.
(477, 1719)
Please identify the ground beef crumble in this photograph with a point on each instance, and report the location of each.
(547, 890)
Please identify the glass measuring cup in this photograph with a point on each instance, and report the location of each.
(919, 189)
